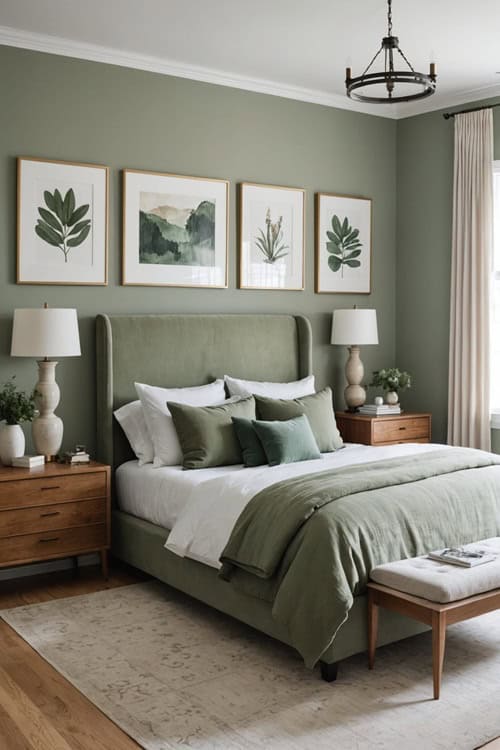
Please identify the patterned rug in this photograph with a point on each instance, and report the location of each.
(176, 674)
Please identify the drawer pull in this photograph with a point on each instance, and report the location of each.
(50, 539)
(53, 487)
(52, 513)
(402, 428)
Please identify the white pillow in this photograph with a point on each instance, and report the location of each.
(131, 419)
(167, 449)
(295, 389)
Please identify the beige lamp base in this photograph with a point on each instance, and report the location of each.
(354, 394)
(47, 428)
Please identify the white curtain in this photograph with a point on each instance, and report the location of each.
(472, 246)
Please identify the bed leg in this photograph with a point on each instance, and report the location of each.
(328, 671)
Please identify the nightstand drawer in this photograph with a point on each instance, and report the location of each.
(46, 517)
(53, 489)
(59, 543)
(395, 430)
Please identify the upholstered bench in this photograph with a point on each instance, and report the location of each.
(437, 594)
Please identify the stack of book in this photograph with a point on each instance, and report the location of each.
(76, 457)
(373, 410)
(28, 462)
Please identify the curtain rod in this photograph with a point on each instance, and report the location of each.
(447, 115)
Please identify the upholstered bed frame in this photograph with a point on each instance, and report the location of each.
(186, 350)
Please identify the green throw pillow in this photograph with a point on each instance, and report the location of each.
(287, 441)
(318, 408)
(206, 433)
(251, 447)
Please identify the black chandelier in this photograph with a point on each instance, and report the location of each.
(389, 77)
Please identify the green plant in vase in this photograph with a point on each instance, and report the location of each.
(392, 380)
(15, 407)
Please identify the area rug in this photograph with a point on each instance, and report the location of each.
(176, 674)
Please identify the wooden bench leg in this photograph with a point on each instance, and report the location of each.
(372, 628)
(438, 646)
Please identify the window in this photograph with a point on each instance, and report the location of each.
(495, 313)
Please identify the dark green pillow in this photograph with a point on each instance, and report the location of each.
(287, 441)
(318, 408)
(251, 447)
(206, 433)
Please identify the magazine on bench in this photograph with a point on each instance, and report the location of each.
(467, 558)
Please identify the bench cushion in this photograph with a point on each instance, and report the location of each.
(442, 582)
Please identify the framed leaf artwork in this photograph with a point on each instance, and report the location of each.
(343, 244)
(175, 230)
(62, 222)
(271, 237)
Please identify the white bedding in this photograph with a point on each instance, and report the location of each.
(211, 509)
(159, 494)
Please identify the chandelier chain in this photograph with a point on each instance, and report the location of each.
(406, 60)
(389, 18)
(377, 53)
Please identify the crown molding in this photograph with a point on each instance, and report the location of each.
(450, 101)
(55, 45)
(69, 48)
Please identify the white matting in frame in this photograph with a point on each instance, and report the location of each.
(175, 230)
(62, 215)
(271, 237)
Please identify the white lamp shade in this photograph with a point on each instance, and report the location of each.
(354, 327)
(45, 332)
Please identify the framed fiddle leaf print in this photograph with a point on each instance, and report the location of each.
(343, 244)
(62, 215)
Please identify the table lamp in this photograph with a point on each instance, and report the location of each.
(43, 333)
(353, 328)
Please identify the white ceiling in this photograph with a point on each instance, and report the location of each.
(284, 47)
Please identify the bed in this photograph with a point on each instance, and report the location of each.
(187, 350)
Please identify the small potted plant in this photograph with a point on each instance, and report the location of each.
(15, 407)
(392, 380)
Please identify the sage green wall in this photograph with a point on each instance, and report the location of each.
(61, 108)
(424, 221)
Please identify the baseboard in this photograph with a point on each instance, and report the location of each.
(21, 571)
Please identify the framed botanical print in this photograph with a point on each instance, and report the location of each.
(62, 222)
(271, 222)
(175, 230)
(343, 244)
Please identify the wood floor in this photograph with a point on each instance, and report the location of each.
(39, 709)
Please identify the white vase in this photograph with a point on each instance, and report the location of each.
(392, 398)
(12, 443)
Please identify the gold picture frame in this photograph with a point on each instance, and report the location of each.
(343, 244)
(183, 251)
(271, 232)
(62, 222)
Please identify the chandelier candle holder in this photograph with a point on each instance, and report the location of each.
(390, 78)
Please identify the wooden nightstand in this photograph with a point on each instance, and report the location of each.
(54, 511)
(395, 428)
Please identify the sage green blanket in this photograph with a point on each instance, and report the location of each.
(308, 543)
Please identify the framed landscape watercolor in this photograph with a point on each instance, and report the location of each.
(271, 222)
(343, 244)
(175, 230)
(62, 222)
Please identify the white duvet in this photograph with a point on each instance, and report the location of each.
(211, 509)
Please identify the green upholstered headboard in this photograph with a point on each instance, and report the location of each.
(184, 350)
